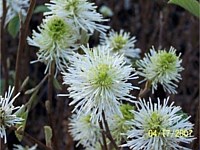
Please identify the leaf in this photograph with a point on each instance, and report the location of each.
(25, 82)
(30, 91)
(182, 114)
(13, 26)
(84, 37)
(48, 135)
(192, 6)
(22, 113)
(41, 9)
(57, 84)
(33, 100)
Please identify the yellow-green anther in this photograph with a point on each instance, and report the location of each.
(125, 109)
(118, 43)
(103, 78)
(57, 28)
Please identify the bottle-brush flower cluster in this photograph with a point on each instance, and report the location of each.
(98, 81)
(163, 120)
(163, 67)
(122, 43)
(8, 112)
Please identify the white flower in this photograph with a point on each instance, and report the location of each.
(98, 81)
(20, 147)
(84, 131)
(156, 127)
(81, 12)
(56, 41)
(14, 8)
(8, 118)
(161, 67)
(122, 43)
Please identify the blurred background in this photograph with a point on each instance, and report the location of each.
(153, 22)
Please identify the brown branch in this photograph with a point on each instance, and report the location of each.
(50, 82)
(2, 47)
(104, 146)
(108, 134)
(22, 41)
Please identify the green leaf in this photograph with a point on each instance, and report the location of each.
(13, 26)
(56, 84)
(48, 135)
(41, 9)
(84, 37)
(192, 6)
(22, 113)
(182, 114)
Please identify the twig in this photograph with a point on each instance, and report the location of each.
(2, 47)
(32, 139)
(37, 87)
(50, 83)
(104, 146)
(49, 106)
(22, 41)
(108, 134)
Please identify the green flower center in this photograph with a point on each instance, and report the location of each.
(103, 78)
(120, 125)
(72, 6)
(57, 28)
(166, 62)
(118, 43)
(86, 119)
(155, 122)
(125, 109)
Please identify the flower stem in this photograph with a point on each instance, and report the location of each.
(49, 105)
(108, 134)
(103, 136)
